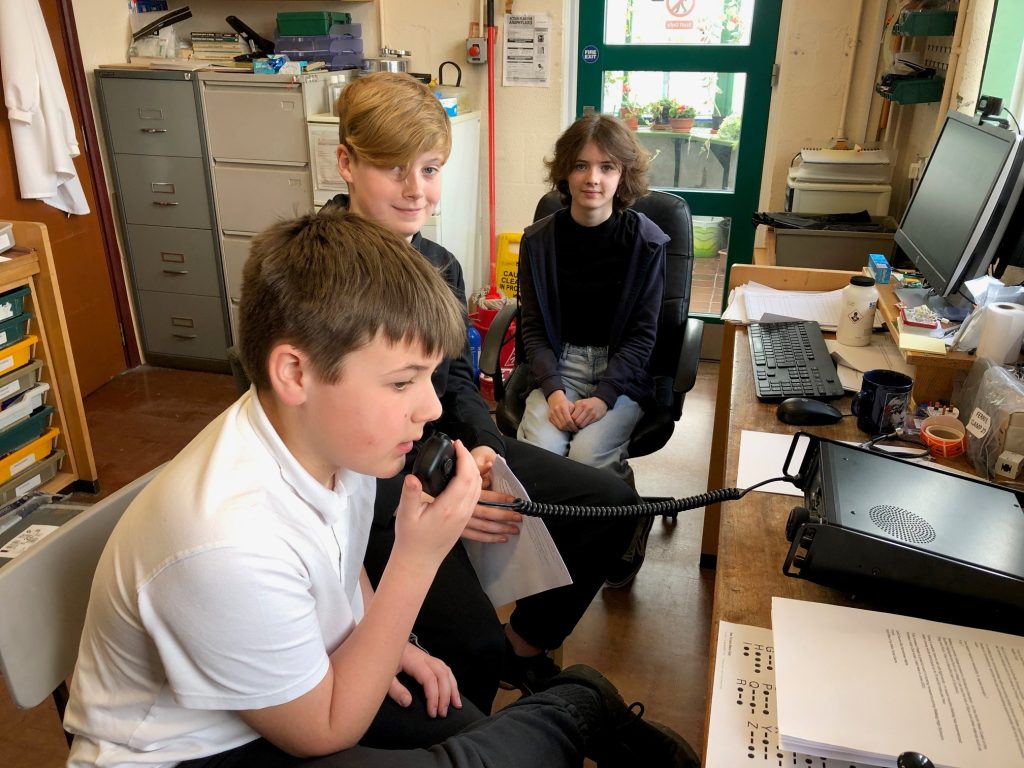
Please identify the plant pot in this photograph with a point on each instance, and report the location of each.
(661, 127)
(716, 122)
(681, 124)
(707, 236)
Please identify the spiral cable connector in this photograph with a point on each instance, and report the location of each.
(652, 509)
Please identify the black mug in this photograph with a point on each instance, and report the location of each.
(881, 404)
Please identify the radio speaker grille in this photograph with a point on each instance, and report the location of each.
(902, 524)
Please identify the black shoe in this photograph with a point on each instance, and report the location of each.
(527, 673)
(626, 569)
(625, 739)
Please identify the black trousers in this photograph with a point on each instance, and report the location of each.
(457, 622)
(554, 729)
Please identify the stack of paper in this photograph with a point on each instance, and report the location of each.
(754, 302)
(858, 685)
(851, 362)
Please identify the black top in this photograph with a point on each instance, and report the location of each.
(591, 268)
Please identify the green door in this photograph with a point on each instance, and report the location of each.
(693, 77)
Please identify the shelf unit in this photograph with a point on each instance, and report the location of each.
(31, 265)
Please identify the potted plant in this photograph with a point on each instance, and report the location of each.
(681, 117)
(730, 128)
(629, 110)
(660, 110)
(716, 120)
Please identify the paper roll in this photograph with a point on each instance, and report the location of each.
(1002, 333)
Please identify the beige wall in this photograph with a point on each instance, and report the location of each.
(821, 43)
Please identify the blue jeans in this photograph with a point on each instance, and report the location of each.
(602, 444)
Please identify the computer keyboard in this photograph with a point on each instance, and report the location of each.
(790, 359)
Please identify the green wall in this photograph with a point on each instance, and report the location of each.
(1004, 50)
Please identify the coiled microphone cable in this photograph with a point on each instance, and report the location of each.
(645, 509)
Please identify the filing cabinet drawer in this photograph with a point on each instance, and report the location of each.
(181, 325)
(256, 121)
(166, 191)
(251, 198)
(151, 117)
(235, 251)
(175, 260)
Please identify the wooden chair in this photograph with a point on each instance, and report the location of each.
(44, 593)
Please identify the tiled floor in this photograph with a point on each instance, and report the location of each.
(651, 639)
(708, 284)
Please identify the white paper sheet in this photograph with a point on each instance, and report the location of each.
(761, 457)
(525, 564)
(866, 685)
(749, 302)
(743, 729)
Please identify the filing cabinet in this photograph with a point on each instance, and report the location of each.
(258, 152)
(153, 125)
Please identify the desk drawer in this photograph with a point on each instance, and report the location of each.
(256, 121)
(151, 117)
(181, 325)
(166, 191)
(174, 259)
(251, 198)
(235, 251)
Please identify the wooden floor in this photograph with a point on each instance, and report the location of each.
(651, 638)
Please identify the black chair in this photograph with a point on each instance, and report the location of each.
(676, 350)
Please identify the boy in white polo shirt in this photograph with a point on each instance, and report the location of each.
(231, 622)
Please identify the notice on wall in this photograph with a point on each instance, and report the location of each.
(527, 50)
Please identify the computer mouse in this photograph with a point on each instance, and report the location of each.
(803, 411)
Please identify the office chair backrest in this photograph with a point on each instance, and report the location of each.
(43, 596)
(672, 214)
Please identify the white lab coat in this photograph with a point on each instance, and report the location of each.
(42, 129)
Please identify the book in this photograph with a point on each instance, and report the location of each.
(859, 685)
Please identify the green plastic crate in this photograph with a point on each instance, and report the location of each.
(915, 91)
(13, 302)
(310, 22)
(25, 431)
(922, 23)
(13, 329)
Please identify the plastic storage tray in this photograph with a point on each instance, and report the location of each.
(13, 302)
(921, 23)
(13, 329)
(914, 91)
(19, 380)
(23, 458)
(332, 43)
(20, 433)
(31, 478)
(20, 407)
(828, 249)
(17, 355)
(310, 22)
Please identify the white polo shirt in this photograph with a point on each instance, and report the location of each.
(225, 586)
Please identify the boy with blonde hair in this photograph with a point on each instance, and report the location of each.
(394, 140)
(230, 622)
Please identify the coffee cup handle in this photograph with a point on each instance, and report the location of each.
(855, 403)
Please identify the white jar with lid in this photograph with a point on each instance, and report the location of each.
(857, 315)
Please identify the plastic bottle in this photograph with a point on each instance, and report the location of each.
(474, 350)
(857, 316)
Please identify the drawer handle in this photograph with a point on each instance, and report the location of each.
(153, 130)
(185, 335)
(175, 271)
(164, 202)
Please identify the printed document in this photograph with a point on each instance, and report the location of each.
(750, 302)
(866, 686)
(525, 564)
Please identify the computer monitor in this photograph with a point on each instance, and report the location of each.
(960, 209)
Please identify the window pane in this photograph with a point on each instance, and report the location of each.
(689, 121)
(678, 22)
(710, 251)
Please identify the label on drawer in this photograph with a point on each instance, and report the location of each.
(28, 485)
(3, 337)
(24, 463)
(6, 310)
(6, 362)
(26, 539)
(9, 389)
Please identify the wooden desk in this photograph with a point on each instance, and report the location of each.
(935, 378)
(750, 539)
